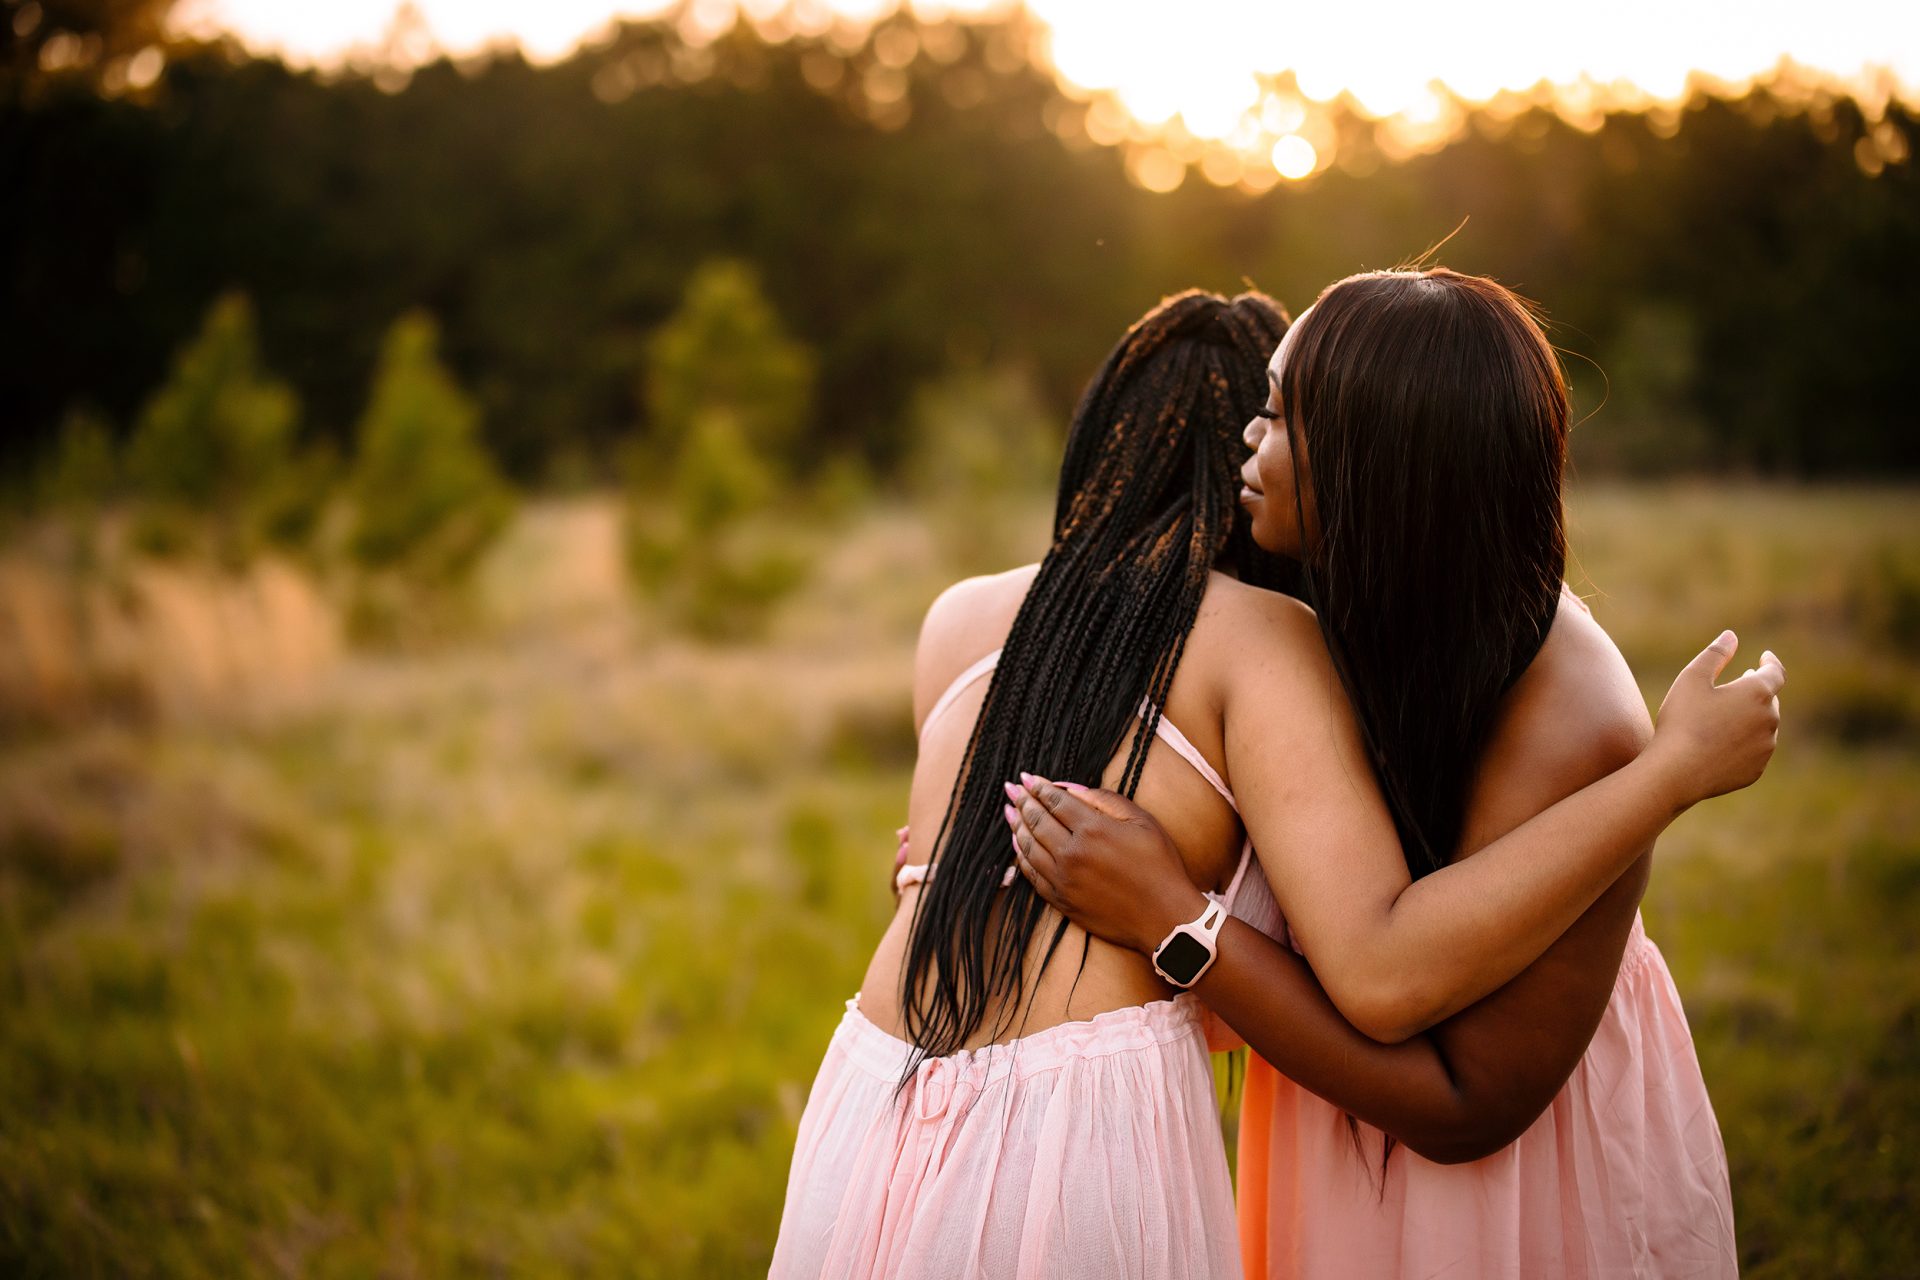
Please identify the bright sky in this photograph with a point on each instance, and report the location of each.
(1199, 59)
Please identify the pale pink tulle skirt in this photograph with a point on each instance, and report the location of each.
(1623, 1177)
(1091, 1149)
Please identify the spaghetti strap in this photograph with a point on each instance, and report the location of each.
(1164, 729)
(960, 683)
(1169, 733)
(921, 872)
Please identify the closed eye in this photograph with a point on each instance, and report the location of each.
(1270, 414)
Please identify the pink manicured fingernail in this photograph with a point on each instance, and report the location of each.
(1011, 814)
(1013, 793)
(1028, 779)
(1016, 845)
(1075, 787)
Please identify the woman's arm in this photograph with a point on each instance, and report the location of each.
(1269, 996)
(1397, 956)
(1461, 1092)
(1576, 716)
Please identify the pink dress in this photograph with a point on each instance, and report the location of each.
(1624, 1175)
(1088, 1150)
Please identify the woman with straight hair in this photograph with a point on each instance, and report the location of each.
(986, 1110)
(1409, 457)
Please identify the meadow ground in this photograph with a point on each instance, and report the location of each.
(514, 954)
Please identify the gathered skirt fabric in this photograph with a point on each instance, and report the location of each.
(1090, 1149)
(1624, 1175)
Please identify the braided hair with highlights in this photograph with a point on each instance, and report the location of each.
(1147, 509)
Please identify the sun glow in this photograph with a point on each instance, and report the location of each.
(1246, 92)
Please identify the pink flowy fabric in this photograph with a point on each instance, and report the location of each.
(1623, 1176)
(1088, 1150)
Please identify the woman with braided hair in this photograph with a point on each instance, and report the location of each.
(995, 1103)
(1410, 456)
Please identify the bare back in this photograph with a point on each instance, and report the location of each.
(968, 622)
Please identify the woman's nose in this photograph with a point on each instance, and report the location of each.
(1256, 430)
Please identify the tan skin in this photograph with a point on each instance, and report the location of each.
(1236, 632)
(971, 619)
(1255, 691)
(1476, 1080)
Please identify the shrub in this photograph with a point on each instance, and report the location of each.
(427, 497)
(212, 440)
(712, 492)
(83, 471)
(725, 353)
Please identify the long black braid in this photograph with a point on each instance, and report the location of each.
(1147, 507)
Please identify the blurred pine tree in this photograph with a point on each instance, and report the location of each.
(427, 497)
(724, 353)
(728, 392)
(84, 470)
(213, 439)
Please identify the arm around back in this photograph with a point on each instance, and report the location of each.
(1574, 718)
(1397, 955)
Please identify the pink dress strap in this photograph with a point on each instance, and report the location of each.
(1169, 733)
(960, 683)
(921, 872)
(1164, 729)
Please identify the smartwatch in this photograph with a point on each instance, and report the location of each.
(1188, 952)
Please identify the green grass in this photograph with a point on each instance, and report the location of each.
(1795, 959)
(516, 957)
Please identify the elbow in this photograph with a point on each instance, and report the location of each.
(1465, 1140)
(1386, 1010)
(1454, 1149)
(1386, 1029)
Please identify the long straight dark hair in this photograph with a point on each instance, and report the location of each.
(1146, 510)
(1431, 413)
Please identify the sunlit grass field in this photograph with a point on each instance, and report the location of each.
(513, 953)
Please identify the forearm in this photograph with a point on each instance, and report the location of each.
(1267, 994)
(1462, 1092)
(1455, 936)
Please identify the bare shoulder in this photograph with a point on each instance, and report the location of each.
(1264, 661)
(1240, 619)
(964, 623)
(1249, 635)
(1577, 711)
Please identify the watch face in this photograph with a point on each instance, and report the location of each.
(1182, 958)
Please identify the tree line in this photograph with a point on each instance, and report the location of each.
(1731, 291)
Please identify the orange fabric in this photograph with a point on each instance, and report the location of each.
(1624, 1177)
(1255, 1163)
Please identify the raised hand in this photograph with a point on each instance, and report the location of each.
(1100, 860)
(1712, 739)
